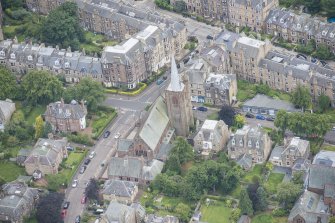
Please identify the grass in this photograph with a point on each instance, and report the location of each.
(328, 148)
(10, 171)
(256, 171)
(36, 111)
(267, 218)
(94, 43)
(216, 213)
(213, 116)
(273, 181)
(236, 192)
(101, 121)
(74, 158)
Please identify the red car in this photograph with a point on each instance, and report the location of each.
(63, 213)
(83, 199)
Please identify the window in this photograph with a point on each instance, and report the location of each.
(249, 143)
(233, 141)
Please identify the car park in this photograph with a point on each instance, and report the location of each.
(66, 205)
(203, 109)
(260, 117)
(249, 115)
(92, 155)
(106, 134)
(75, 183)
(78, 218)
(82, 169)
(117, 135)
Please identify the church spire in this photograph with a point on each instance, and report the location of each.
(175, 84)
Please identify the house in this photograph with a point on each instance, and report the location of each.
(134, 169)
(287, 155)
(245, 161)
(262, 104)
(250, 140)
(212, 136)
(326, 158)
(46, 156)
(7, 108)
(121, 191)
(157, 219)
(117, 212)
(17, 201)
(66, 117)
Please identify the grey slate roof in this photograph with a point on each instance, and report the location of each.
(263, 101)
(59, 110)
(119, 188)
(245, 161)
(152, 170)
(157, 219)
(124, 145)
(164, 151)
(326, 158)
(117, 213)
(319, 175)
(128, 167)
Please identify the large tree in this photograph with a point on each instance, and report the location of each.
(313, 6)
(262, 202)
(92, 190)
(245, 203)
(40, 87)
(329, 7)
(323, 52)
(39, 127)
(287, 193)
(62, 26)
(324, 102)
(183, 150)
(88, 90)
(8, 84)
(227, 114)
(183, 212)
(49, 208)
(281, 121)
(301, 97)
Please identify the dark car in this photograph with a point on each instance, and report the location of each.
(260, 117)
(78, 219)
(203, 109)
(249, 115)
(87, 161)
(301, 56)
(82, 169)
(106, 134)
(209, 37)
(324, 63)
(66, 205)
(313, 60)
(270, 118)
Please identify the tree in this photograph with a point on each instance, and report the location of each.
(92, 190)
(40, 87)
(287, 193)
(235, 214)
(39, 127)
(324, 102)
(332, 220)
(173, 164)
(182, 149)
(329, 7)
(8, 84)
(12, 4)
(262, 202)
(245, 203)
(49, 208)
(313, 6)
(298, 178)
(308, 48)
(88, 90)
(62, 27)
(183, 212)
(47, 129)
(227, 114)
(180, 6)
(239, 121)
(323, 53)
(281, 121)
(263, 89)
(301, 97)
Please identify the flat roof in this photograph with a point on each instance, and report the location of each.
(263, 101)
(144, 34)
(124, 48)
(250, 42)
(209, 124)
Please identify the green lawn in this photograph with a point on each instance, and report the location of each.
(273, 181)
(36, 111)
(213, 116)
(74, 158)
(216, 213)
(267, 218)
(10, 171)
(256, 171)
(236, 192)
(100, 121)
(328, 148)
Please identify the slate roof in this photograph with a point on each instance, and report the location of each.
(276, 153)
(59, 110)
(329, 191)
(128, 167)
(155, 125)
(119, 188)
(220, 81)
(124, 145)
(152, 170)
(326, 158)
(297, 147)
(319, 175)
(263, 101)
(46, 151)
(310, 206)
(245, 161)
(157, 219)
(164, 151)
(117, 213)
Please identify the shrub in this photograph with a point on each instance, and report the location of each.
(279, 212)
(81, 139)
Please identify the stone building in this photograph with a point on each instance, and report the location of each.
(177, 97)
(253, 141)
(7, 108)
(43, 6)
(119, 190)
(66, 117)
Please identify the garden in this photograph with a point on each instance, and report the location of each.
(101, 119)
(9, 171)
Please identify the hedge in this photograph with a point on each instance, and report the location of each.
(129, 93)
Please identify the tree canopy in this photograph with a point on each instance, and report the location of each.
(227, 114)
(287, 193)
(301, 97)
(323, 53)
(49, 208)
(8, 84)
(245, 203)
(39, 126)
(92, 190)
(324, 102)
(329, 7)
(62, 27)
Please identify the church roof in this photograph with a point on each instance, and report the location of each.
(175, 84)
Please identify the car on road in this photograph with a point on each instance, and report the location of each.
(92, 155)
(270, 118)
(117, 135)
(301, 56)
(78, 218)
(260, 117)
(249, 115)
(63, 213)
(106, 134)
(165, 77)
(83, 200)
(203, 109)
(66, 205)
(87, 161)
(333, 128)
(75, 183)
(209, 37)
(159, 81)
(82, 169)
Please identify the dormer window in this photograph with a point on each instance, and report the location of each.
(306, 28)
(257, 145)
(331, 35)
(12, 56)
(2, 53)
(249, 143)
(281, 20)
(30, 58)
(57, 63)
(324, 33)
(67, 65)
(241, 142)
(299, 26)
(233, 141)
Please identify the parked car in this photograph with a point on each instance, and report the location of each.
(333, 128)
(314, 60)
(159, 81)
(83, 199)
(301, 56)
(75, 183)
(249, 115)
(92, 155)
(70, 148)
(87, 161)
(260, 117)
(164, 77)
(194, 108)
(117, 135)
(324, 63)
(270, 118)
(82, 169)
(209, 37)
(203, 109)
(66, 205)
(106, 134)
(78, 218)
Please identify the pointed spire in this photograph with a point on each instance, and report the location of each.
(175, 84)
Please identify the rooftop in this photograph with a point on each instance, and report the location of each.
(251, 42)
(124, 48)
(263, 101)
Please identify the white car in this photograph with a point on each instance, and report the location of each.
(75, 183)
(92, 154)
(117, 135)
